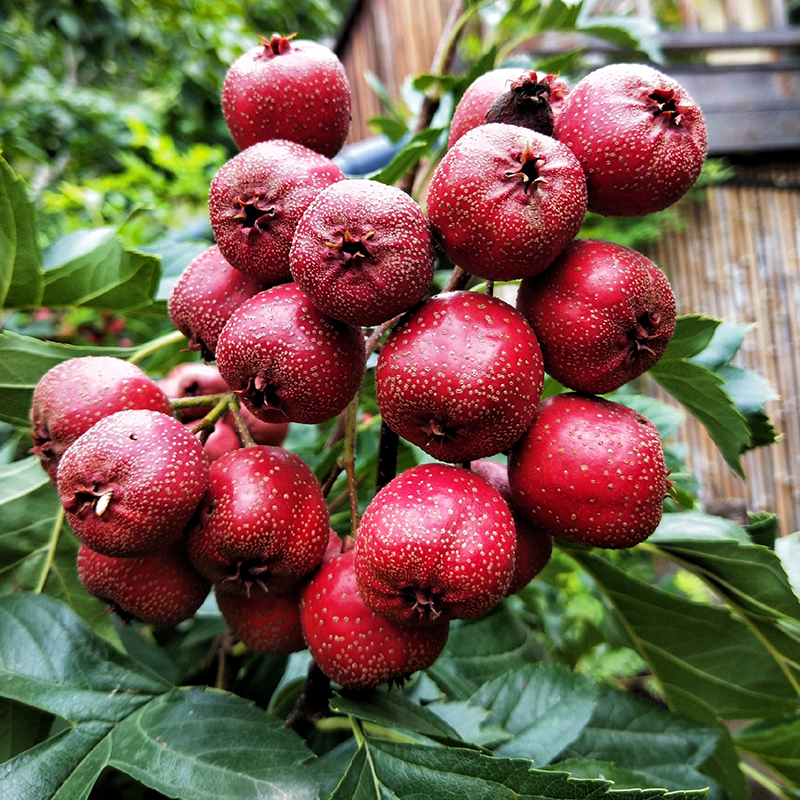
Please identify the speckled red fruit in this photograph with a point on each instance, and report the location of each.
(639, 136)
(534, 545)
(526, 102)
(130, 483)
(590, 471)
(436, 543)
(72, 396)
(363, 252)
(256, 200)
(264, 623)
(222, 439)
(505, 200)
(263, 524)
(273, 433)
(603, 315)
(288, 89)
(193, 379)
(208, 291)
(287, 361)
(161, 588)
(460, 377)
(354, 646)
(484, 91)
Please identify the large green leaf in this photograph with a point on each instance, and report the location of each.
(93, 268)
(416, 148)
(544, 708)
(21, 280)
(693, 334)
(382, 770)
(483, 649)
(26, 359)
(774, 743)
(189, 743)
(663, 748)
(709, 663)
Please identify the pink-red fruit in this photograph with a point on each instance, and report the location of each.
(287, 361)
(130, 483)
(363, 252)
(640, 138)
(505, 200)
(264, 623)
(256, 200)
(72, 396)
(351, 644)
(160, 588)
(208, 291)
(460, 377)
(191, 379)
(590, 471)
(291, 89)
(436, 543)
(603, 314)
(263, 524)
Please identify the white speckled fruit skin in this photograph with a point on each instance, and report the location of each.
(468, 362)
(314, 362)
(302, 95)
(351, 644)
(157, 472)
(590, 471)
(479, 208)
(371, 289)
(284, 177)
(635, 162)
(585, 307)
(443, 531)
(263, 505)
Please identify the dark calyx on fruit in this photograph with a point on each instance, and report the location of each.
(528, 172)
(277, 45)
(647, 328)
(526, 103)
(264, 395)
(351, 249)
(256, 212)
(665, 103)
(427, 604)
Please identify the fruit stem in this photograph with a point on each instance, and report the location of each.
(242, 431)
(204, 428)
(312, 702)
(157, 344)
(350, 462)
(197, 401)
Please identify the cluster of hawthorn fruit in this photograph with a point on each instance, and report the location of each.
(312, 270)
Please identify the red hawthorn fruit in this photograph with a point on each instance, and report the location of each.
(264, 623)
(460, 377)
(160, 588)
(208, 291)
(193, 379)
(130, 483)
(263, 522)
(287, 361)
(273, 433)
(590, 471)
(436, 543)
(484, 91)
(525, 103)
(505, 200)
(639, 136)
(351, 644)
(222, 439)
(534, 545)
(256, 200)
(72, 396)
(363, 252)
(603, 315)
(291, 89)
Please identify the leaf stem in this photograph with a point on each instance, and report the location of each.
(55, 536)
(157, 344)
(205, 427)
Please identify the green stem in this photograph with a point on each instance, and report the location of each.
(51, 551)
(205, 426)
(243, 432)
(330, 724)
(198, 401)
(763, 780)
(157, 344)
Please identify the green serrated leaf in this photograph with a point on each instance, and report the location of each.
(724, 345)
(408, 156)
(22, 726)
(762, 528)
(483, 649)
(202, 744)
(701, 392)
(393, 129)
(21, 277)
(709, 664)
(543, 707)
(693, 333)
(382, 770)
(787, 548)
(26, 359)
